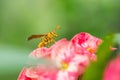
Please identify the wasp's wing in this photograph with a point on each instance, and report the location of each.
(34, 36)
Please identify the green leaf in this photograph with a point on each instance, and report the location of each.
(96, 69)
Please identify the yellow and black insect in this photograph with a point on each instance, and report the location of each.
(45, 38)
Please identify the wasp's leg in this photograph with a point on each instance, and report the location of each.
(53, 40)
(41, 44)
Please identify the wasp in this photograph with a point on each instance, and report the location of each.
(45, 38)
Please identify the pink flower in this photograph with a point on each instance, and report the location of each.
(70, 65)
(85, 40)
(71, 68)
(112, 71)
(84, 43)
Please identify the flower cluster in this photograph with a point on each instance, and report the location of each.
(70, 58)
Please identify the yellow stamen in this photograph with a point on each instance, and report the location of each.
(90, 50)
(64, 66)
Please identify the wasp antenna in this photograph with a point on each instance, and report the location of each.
(57, 27)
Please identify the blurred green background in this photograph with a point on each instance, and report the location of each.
(21, 18)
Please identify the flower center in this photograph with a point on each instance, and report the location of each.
(64, 66)
(90, 50)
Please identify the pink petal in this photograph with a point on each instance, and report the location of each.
(112, 71)
(38, 73)
(64, 75)
(41, 52)
(22, 75)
